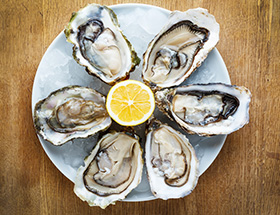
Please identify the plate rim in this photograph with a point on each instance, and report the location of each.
(121, 6)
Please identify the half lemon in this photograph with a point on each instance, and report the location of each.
(130, 102)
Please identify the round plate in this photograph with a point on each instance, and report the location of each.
(57, 69)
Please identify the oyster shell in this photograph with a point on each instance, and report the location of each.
(179, 48)
(206, 109)
(111, 171)
(172, 166)
(71, 112)
(99, 44)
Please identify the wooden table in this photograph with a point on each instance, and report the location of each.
(245, 177)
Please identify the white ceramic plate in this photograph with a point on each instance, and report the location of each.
(140, 23)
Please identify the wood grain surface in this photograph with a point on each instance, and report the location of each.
(245, 177)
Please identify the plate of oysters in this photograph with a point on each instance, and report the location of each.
(133, 102)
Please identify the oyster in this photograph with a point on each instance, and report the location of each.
(112, 170)
(99, 44)
(171, 162)
(179, 48)
(71, 112)
(206, 109)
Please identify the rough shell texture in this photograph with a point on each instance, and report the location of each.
(198, 20)
(173, 172)
(104, 194)
(100, 45)
(240, 117)
(45, 112)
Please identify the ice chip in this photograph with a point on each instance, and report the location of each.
(58, 68)
(57, 57)
(199, 152)
(74, 152)
(153, 21)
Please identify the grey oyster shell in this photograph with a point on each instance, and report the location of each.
(172, 165)
(100, 45)
(71, 112)
(179, 48)
(206, 109)
(111, 171)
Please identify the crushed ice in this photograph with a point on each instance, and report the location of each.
(59, 69)
(76, 150)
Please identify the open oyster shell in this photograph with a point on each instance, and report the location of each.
(179, 48)
(206, 109)
(111, 171)
(71, 112)
(172, 166)
(99, 44)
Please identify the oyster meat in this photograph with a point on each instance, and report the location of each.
(71, 112)
(179, 48)
(111, 171)
(172, 166)
(206, 109)
(99, 44)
